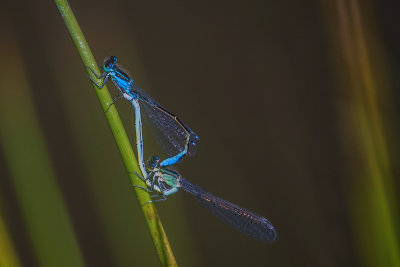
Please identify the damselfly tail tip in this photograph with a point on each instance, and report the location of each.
(193, 142)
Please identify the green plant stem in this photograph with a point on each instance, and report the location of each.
(8, 255)
(49, 229)
(153, 221)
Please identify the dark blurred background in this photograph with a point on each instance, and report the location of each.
(296, 105)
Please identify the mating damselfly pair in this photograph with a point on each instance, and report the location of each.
(178, 141)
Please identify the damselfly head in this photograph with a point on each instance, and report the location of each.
(153, 162)
(109, 63)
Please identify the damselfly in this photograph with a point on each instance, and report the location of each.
(167, 182)
(169, 130)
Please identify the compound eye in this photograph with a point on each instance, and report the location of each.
(153, 162)
(110, 62)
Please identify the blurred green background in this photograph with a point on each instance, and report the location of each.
(296, 105)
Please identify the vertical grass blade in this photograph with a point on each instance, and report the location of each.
(8, 257)
(155, 227)
(45, 215)
(366, 98)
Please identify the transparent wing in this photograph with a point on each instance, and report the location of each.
(246, 222)
(169, 131)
